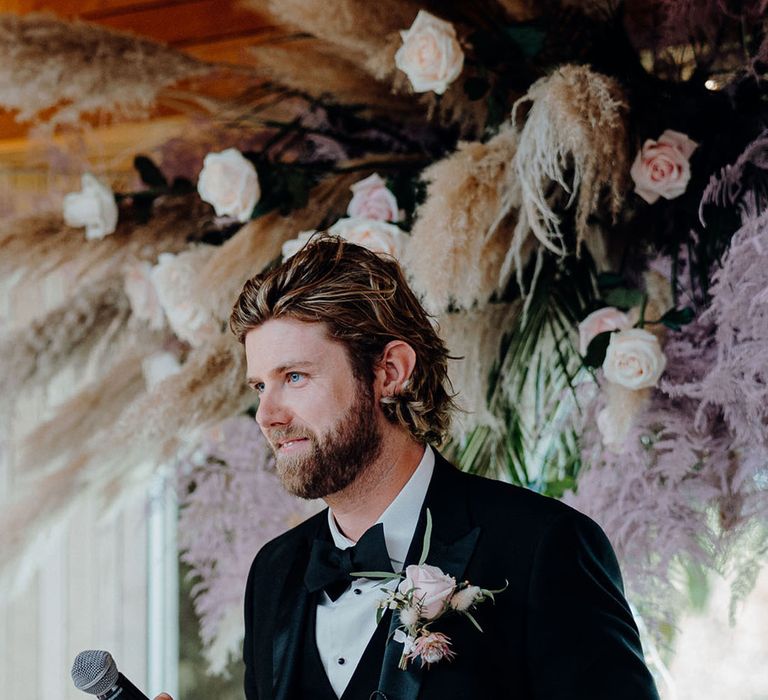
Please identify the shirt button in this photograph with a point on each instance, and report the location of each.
(357, 591)
(342, 661)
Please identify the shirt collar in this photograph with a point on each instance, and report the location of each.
(401, 516)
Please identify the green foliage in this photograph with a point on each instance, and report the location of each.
(596, 349)
(531, 387)
(149, 172)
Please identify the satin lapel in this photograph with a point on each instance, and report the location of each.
(292, 610)
(452, 544)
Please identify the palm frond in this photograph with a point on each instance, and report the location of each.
(532, 386)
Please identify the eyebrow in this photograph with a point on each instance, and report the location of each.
(294, 364)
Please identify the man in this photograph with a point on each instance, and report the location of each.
(351, 378)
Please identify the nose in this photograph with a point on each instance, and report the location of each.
(271, 411)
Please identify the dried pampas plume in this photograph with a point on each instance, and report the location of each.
(474, 338)
(363, 30)
(112, 465)
(48, 64)
(575, 136)
(32, 247)
(458, 254)
(66, 335)
(315, 68)
(89, 413)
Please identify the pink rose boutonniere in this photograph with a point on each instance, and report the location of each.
(426, 594)
(661, 168)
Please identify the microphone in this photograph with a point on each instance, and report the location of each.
(95, 672)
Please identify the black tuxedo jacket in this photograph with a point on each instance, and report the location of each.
(562, 628)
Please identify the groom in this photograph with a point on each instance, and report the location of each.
(353, 391)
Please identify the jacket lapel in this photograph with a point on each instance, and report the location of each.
(293, 604)
(452, 543)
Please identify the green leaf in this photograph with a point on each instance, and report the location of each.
(609, 280)
(597, 348)
(149, 173)
(675, 318)
(379, 615)
(427, 538)
(527, 37)
(472, 619)
(475, 88)
(386, 575)
(623, 298)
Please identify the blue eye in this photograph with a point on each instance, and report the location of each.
(294, 377)
(258, 387)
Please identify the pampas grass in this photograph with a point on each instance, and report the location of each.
(66, 335)
(575, 136)
(361, 29)
(57, 71)
(33, 247)
(210, 387)
(90, 413)
(473, 339)
(460, 239)
(315, 68)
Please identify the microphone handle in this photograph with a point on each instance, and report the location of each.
(123, 690)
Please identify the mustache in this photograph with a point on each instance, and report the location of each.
(277, 436)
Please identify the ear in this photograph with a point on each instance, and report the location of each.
(394, 368)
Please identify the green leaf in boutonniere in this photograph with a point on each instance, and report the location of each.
(427, 539)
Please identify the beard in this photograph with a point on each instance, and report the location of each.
(334, 460)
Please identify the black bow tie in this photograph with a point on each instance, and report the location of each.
(329, 567)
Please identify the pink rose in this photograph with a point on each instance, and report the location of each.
(430, 55)
(433, 588)
(661, 167)
(372, 200)
(606, 319)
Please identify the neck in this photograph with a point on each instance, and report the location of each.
(358, 506)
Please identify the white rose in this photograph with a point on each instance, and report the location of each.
(290, 248)
(661, 168)
(142, 295)
(93, 207)
(433, 588)
(174, 278)
(430, 55)
(634, 359)
(605, 319)
(229, 182)
(372, 200)
(378, 236)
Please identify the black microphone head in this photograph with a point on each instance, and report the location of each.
(94, 671)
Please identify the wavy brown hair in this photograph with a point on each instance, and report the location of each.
(365, 302)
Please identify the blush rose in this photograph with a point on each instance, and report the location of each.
(661, 168)
(634, 359)
(430, 55)
(372, 200)
(600, 321)
(433, 588)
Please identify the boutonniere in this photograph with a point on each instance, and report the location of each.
(425, 595)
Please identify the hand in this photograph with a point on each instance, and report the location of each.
(163, 696)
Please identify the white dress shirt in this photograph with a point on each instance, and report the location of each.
(345, 626)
